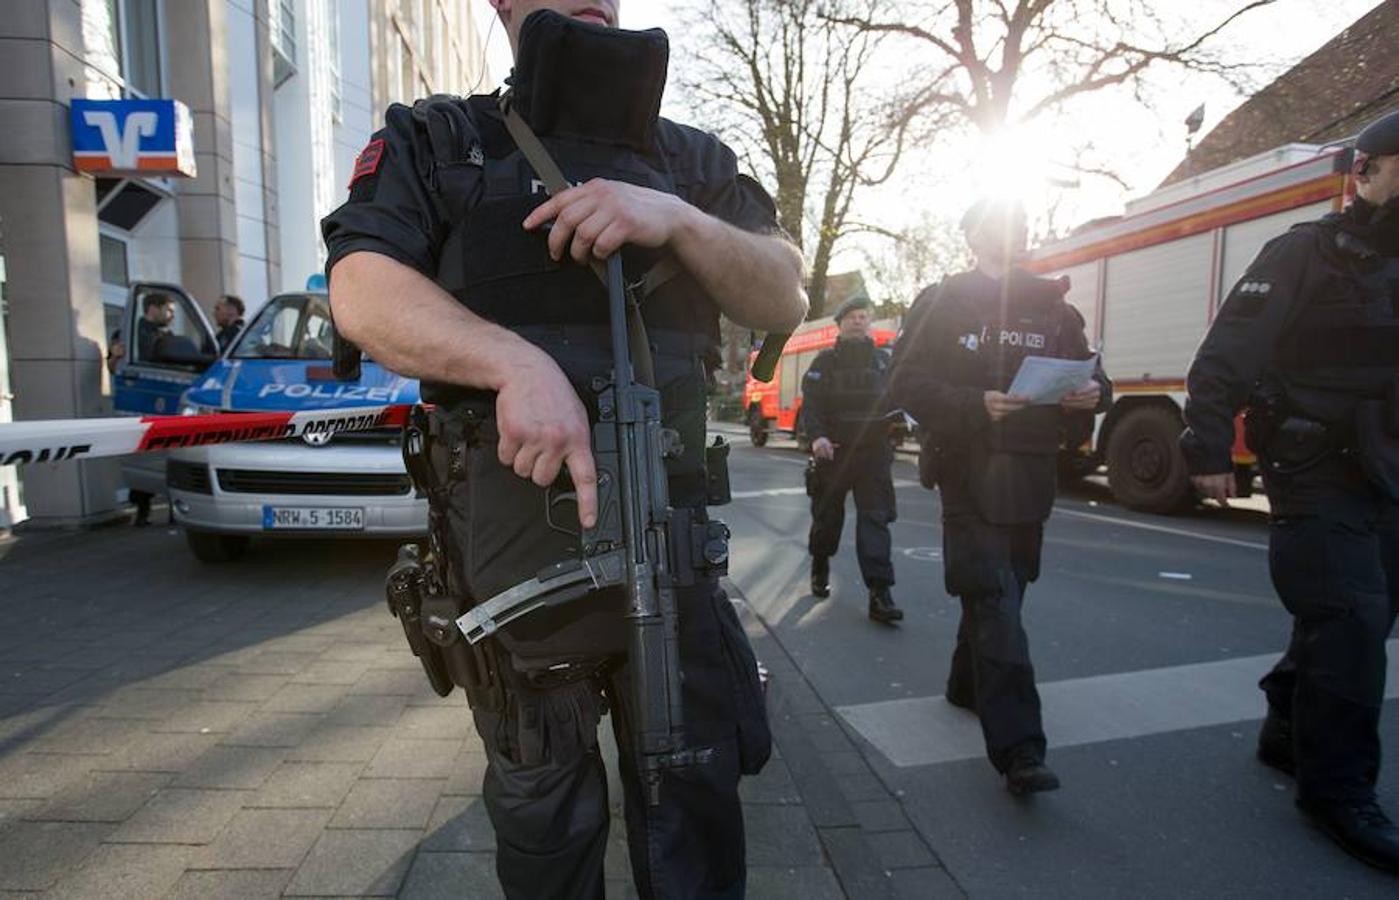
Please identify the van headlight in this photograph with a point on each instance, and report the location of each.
(194, 409)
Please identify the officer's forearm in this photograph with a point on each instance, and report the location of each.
(414, 328)
(755, 279)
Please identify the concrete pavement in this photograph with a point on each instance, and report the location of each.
(169, 729)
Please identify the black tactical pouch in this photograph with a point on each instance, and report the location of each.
(716, 473)
(1297, 444)
(929, 461)
(812, 477)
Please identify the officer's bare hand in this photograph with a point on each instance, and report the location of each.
(1220, 488)
(597, 218)
(823, 449)
(1085, 400)
(999, 405)
(543, 426)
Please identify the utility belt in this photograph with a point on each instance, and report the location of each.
(1290, 444)
(452, 456)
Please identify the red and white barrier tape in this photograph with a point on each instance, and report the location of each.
(22, 443)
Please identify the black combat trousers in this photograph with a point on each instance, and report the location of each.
(1334, 560)
(989, 567)
(544, 787)
(866, 470)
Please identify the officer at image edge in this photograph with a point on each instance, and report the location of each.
(1308, 342)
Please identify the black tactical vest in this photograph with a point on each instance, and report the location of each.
(1343, 344)
(859, 374)
(505, 274)
(1007, 321)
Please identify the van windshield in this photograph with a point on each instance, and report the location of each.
(291, 326)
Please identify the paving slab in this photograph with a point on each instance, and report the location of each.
(409, 758)
(180, 816)
(40, 775)
(306, 785)
(460, 824)
(793, 883)
(340, 743)
(388, 803)
(231, 884)
(263, 839)
(447, 719)
(356, 863)
(450, 876)
(304, 698)
(37, 854)
(468, 771)
(234, 768)
(272, 729)
(152, 752)
(364, 709)
(103, 797)
(208, 716)
(117, 872)
(781, 836)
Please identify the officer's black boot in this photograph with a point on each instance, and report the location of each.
(821, 576)
(1275, 744)
(882, 608)
(1361, 828)
(1027, 774)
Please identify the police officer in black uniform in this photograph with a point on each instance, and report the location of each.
(1308, 340)
(994, 459)
(845, 415)
(449, 263)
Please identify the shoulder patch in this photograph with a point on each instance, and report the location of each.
(367, 163)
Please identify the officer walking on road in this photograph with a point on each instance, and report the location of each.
(449, 263)
(845, 415)
(994, 459)
(1308, 340)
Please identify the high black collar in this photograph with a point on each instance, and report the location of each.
(578, 80)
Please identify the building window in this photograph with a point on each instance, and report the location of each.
(408, 71)
(123, 40)
(141, 58)
(113, 260)
(337, 99)
(282, 26)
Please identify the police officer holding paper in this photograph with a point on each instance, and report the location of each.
(1308, 341)
(449, 263)
(994, 458)
(845, 415)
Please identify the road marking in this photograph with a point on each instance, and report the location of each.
(1164, 529)
(925, 554)
(924, 731)
(790, 491)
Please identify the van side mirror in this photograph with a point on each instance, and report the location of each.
(345, 357)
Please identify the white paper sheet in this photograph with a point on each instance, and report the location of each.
(1045, 381)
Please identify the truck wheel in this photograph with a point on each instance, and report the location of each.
(757, 427)
(1146, 470)
(216, 548)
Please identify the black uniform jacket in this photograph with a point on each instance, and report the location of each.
(968, 335)
(392, 209)
(845, 394)
(1308, 319)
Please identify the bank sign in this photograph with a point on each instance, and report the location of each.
(133, 137)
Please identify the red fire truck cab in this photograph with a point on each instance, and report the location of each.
(776, 406)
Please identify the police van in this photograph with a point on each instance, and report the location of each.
(350, 484)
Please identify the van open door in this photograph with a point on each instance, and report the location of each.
(167, 344)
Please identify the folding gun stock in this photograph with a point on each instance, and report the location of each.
(556, 585)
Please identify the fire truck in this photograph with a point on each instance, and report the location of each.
(1150, 281)
(776, 406)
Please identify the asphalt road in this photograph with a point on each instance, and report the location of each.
(1148, 635)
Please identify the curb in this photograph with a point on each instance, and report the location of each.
(865, 833)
